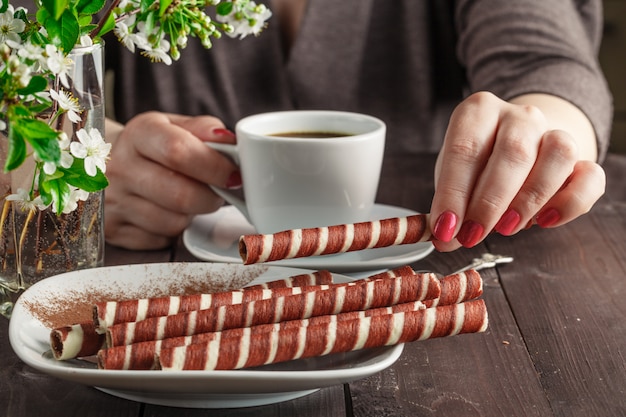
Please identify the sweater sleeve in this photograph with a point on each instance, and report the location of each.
(527, 46)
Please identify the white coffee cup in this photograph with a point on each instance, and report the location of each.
(290, 181)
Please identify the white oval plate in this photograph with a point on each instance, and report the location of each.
(29, 336)
(215, 236)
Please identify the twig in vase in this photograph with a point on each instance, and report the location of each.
(6, 209)
(38, 252)
(92, 222)
(18, 254)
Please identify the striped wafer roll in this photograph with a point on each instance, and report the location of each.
(251, 350)
(108, 313)
(143, 355)
(362, 295)
(458, 287)
(396, 272)
(322, 277)
(342, 238)
(75, 341)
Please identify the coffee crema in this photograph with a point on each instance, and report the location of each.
(312, 134)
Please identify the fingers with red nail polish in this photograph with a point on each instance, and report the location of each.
(470, 234)
(445, 226)
(548, 218)
(508, 222)
(223, 133)
(234, 180)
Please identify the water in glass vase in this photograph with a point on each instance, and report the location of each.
(39, 243)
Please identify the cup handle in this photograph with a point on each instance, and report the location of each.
(230, 151)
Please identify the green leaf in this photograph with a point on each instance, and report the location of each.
(20, 111)
(55, 191)
(34, 128)
(89, 7)
(36, 108)
(21, 14)
(150, 22)
(77, 177)
(145, 5)
(46, 149)
(56, 8)
(41, 137)
(85, 20)
(42, 15)
(4, 6)
(163, 5)
(64, 31)
(224, 8)
(16, 154)
(108, 26)
(36, 85)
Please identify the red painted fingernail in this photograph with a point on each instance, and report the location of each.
(508, 222)
(222, 131)
(234, 181)
(548, 218)
(470, 233)
(445, 226)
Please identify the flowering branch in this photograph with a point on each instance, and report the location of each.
(35, 93)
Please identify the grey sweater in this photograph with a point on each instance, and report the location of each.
(408, 62)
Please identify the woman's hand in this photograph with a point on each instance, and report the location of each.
(506, 165)
(159, 174)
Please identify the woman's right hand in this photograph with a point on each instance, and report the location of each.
(159, 174)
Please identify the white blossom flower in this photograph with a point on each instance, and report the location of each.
(23, 200)
(182, 41)
(58, 63)
(19, 70)
(248, 19)
(10, 27)
(66, 159)
(3, 125)
(85, 40)
(31, 52)
(93, 149)
(155, 46)
(68, 103)
(124, 4)
(76, 195)
(258, 19)
(124, 35)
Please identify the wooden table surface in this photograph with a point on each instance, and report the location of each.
(556, 343)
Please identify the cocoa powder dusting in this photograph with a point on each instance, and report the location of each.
(76, 306)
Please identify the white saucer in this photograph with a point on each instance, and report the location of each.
(214, 237)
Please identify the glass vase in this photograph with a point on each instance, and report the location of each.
(38, 244)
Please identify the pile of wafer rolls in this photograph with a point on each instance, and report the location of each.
(297, 243)
(281, 321)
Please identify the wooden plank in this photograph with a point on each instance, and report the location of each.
(327, 402)
(462, 375)
(25, 391)
(567, 293)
